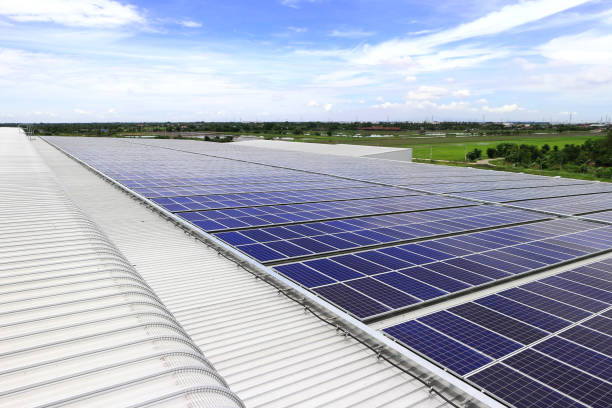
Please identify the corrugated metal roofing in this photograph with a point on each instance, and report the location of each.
(78, 325)
(270, 351)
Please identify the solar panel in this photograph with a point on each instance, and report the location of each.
(441, 273)
(552, 335)
(376, 230)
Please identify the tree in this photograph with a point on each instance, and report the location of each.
(491, 152)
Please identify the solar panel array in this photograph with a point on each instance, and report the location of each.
(376, 238)
(545, 343)
(378, 282)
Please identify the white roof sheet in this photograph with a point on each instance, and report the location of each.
(78, 325)
(321, 148)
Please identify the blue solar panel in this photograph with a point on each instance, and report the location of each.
(383, 293)
(520, 390)
(565, 296)
(304, 275)
(599, 323)
(435, 279)
(578, 356)
(589, 338)
(450, 353)
(590, 390)
(333, 269)
(351, 300)
(523, 313)
(471, 334)
(411, 286)
(499, 323)
(360, 264)
(546, 304)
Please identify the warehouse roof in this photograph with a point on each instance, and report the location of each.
(270, 351)
(77, 322)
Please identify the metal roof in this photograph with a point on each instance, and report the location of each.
(330, 149)
(78, 324)
(269, 349)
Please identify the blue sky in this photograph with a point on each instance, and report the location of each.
(136, 60)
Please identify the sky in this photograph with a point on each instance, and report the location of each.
(302, 60)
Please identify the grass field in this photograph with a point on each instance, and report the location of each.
(456, 151)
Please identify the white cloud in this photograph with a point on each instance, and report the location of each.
(81, 13)
(453, 106)
(588, 48)
(295, 3)
(313, 104)
(425, 92)
(298, 29)
(387, 105)
(111, 111)
(482, 101)
(407, 51)
(191, 24)
(462, 93)
(328, 107)
(81, 111)
(502, 109)
(410, 78)
(351, 33)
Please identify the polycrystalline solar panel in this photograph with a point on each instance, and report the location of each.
(519, 390)
(438, 273)
(577, 356)
(605, 216)
(348, 298)
(590, 390)
(247, 217)
(535, 337)
(195, 190)
(454, 355)
(573, 205)
(501, 196)
(458, 187)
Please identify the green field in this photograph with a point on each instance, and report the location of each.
(455, 151)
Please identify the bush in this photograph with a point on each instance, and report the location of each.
(491, 152)
(474, 155)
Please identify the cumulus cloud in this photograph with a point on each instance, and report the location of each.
(462, 93)
(313, 104)
(81, 13)
(502, 109)
(425, 92)
(328, 107)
